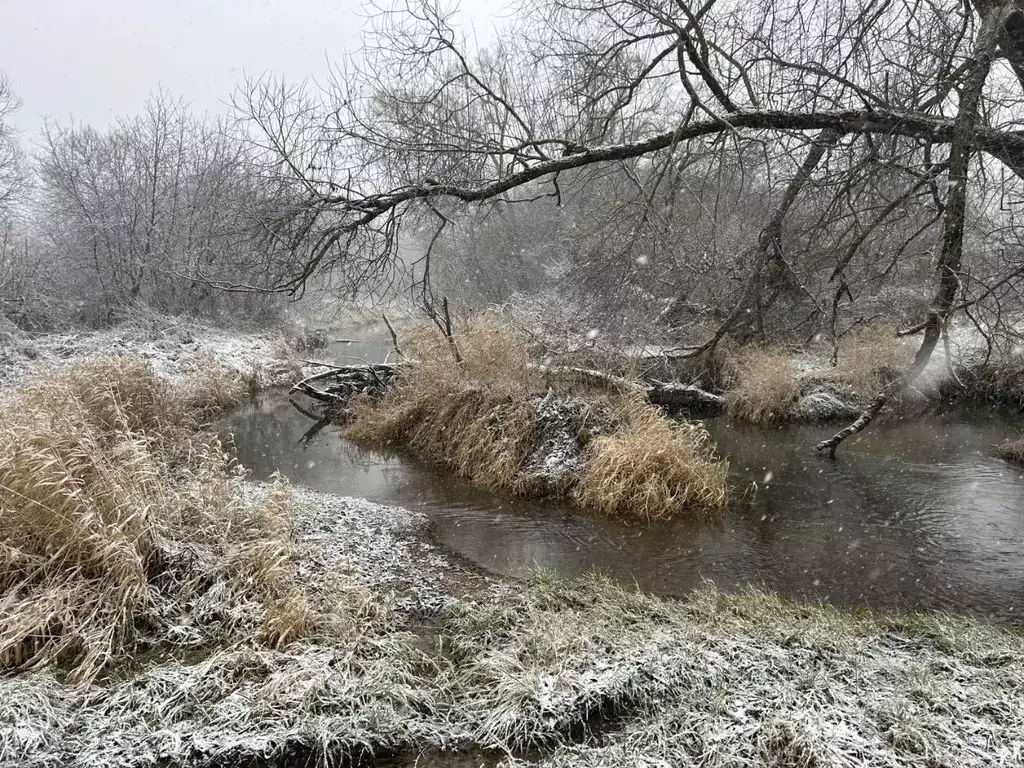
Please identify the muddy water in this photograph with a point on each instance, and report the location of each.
(915, 514)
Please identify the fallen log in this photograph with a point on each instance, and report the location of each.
(374, 379)
(688, 396)
(672, 394)
(347, 380)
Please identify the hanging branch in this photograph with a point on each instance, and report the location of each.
(952, 226)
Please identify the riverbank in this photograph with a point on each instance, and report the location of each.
(385, 646)
(437, 659)
(174, 347)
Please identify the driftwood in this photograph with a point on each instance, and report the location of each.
(674, 395)
(348, 380)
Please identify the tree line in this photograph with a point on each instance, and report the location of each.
(759, 170)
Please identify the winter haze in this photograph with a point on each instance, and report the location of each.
(94, 61)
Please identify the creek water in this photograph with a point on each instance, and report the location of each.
(915, 514)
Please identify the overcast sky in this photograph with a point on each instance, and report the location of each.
(97, 59)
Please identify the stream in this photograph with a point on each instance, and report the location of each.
(915, 514)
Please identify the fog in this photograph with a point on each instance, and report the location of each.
(95, 61)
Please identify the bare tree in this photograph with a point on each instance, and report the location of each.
(853, 123)
(15, 263)
(12, 169)
(158, 209)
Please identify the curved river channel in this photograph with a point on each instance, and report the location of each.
(915, 514)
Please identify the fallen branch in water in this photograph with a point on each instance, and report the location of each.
(370, 379)
(374, 379)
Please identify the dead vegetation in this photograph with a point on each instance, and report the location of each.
(473, 417)
(559, 673)
(1012, 450)
(125, 527)
(488, 418)
(760, 385)
(869, 357)
(996, 381)
(765, 385)
(651, 468)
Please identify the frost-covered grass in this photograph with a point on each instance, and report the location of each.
(589, 672)
(752, 680)
(174, 347)
(125, 526)
(737, 680)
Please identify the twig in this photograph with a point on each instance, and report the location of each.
(394, 336)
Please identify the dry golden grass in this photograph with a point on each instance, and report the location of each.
(471, 417)
(210, 388)
(477, 418)
(1012, 450)
(653, 468)
(869, 357)
(999, 380)
(102, 543)
(760, 386)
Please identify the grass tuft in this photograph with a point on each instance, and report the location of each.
(997, 381)
(210, 388)
(870, 357)
(652, 468)
(760, 386)
(473, 417)
(1012, 450)
(107, 544)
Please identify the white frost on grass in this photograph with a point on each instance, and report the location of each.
(715, 681)
(748, 680)
(172, 349)
(345, 540)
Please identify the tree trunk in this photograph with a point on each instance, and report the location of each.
(770, 266)
(951, 256)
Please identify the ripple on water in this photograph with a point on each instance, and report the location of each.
(914, 514)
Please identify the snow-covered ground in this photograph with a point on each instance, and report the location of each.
(171, 350)
(444, 657)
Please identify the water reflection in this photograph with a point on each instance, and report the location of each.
(916, 514)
